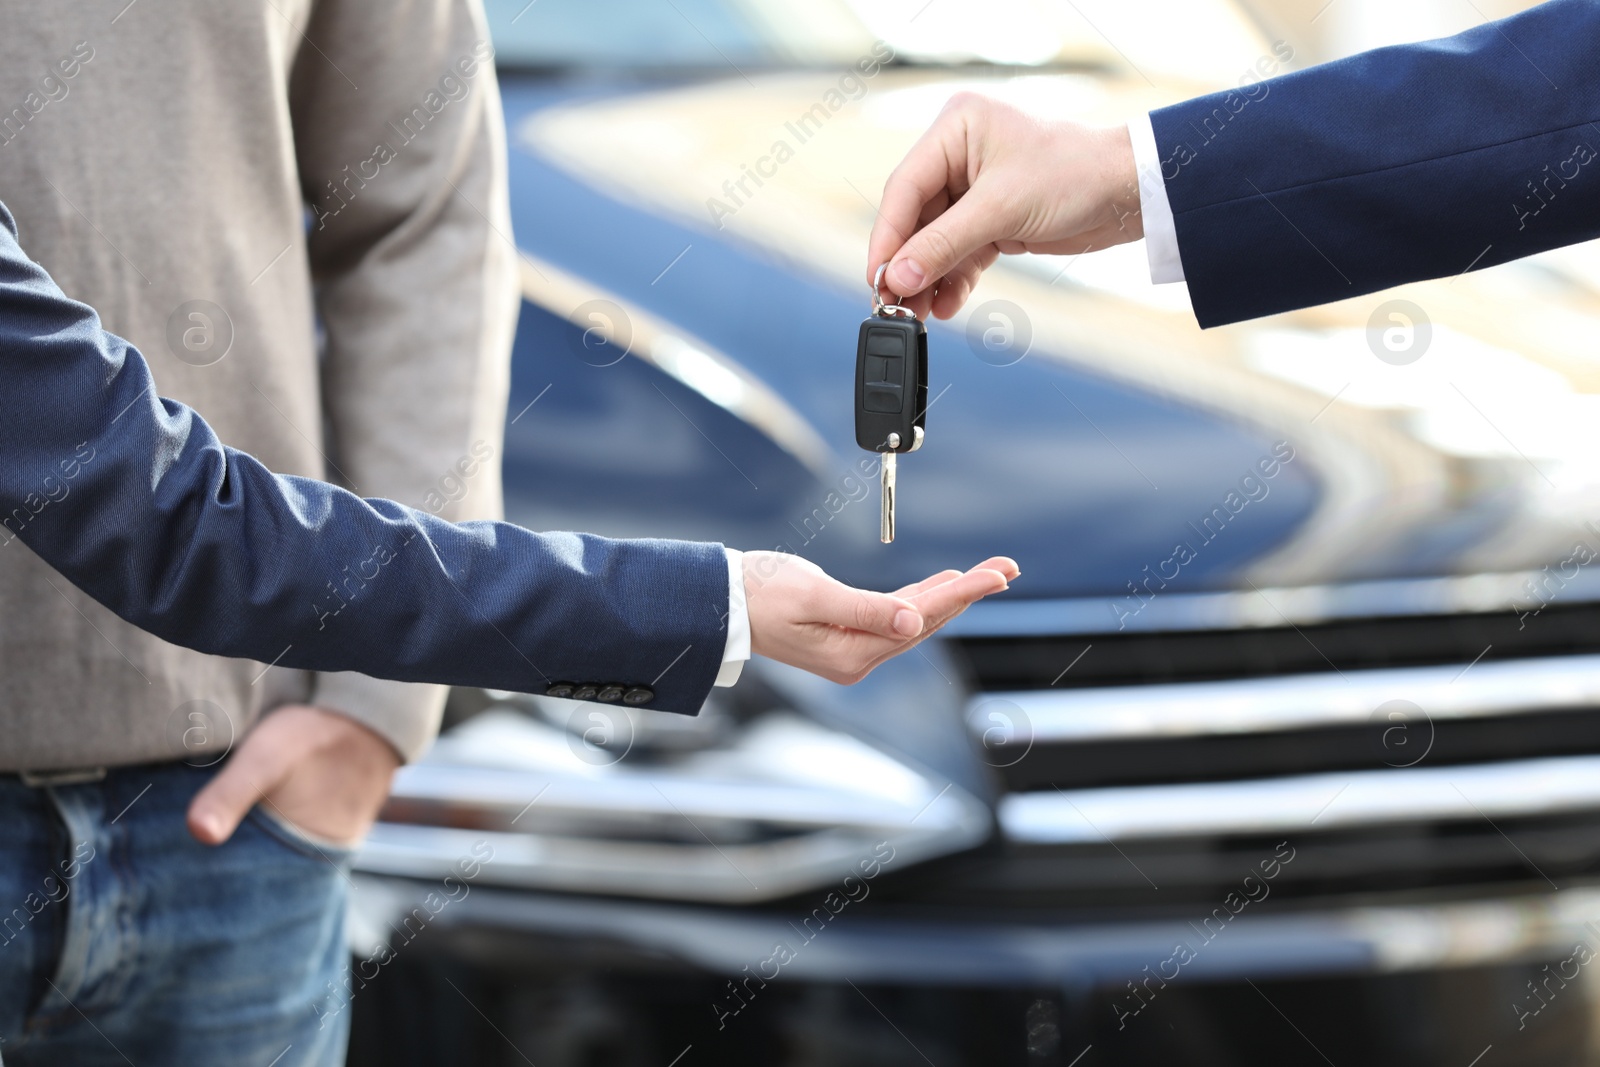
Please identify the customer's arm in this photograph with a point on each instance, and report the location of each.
(1396, 165)
(135, 501)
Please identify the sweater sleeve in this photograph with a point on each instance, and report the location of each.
(415, 272)
(135, 501)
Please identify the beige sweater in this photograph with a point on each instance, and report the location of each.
(160, 160)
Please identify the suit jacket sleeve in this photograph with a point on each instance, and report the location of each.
(135, 501)
(1404, 163)
(399, 140)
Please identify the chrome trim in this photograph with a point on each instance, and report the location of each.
(1269, 607)
(684, 357)
(1303, 803)
(1290, 702)
(789, 806)
(968, 950)
(727, 874)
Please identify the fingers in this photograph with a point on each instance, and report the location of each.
(988, 179)
(920, 180)
(882, 614)
(942, 602)
(259, 765)
(954, 288)
(1004, 564)
(933, 228)
(927, 583)
(971, 224)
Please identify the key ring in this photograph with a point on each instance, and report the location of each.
(887, 310)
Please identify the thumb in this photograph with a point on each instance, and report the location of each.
(251, 773)
(876, 613)
(934, 251)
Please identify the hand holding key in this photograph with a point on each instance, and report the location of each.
(802, 617)
(988, 178)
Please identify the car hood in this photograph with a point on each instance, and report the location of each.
(1115, 446)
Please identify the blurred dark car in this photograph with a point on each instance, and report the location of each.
(1285, 748)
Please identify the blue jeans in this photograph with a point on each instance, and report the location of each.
(122, 939)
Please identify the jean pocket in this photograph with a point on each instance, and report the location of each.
(302, 842)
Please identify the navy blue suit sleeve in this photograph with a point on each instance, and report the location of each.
(1396, 165)
(135, 501)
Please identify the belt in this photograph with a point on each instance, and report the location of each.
(64, 776)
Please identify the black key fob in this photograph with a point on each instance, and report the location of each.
(891, 382)
(891, 390)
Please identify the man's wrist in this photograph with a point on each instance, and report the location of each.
(1122, 180)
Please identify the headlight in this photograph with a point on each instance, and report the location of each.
(601, 798)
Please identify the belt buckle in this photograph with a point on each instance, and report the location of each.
(65, 776)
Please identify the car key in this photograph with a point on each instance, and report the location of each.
(891, 389)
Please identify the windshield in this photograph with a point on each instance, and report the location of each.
(747, 34)
(1207, 39)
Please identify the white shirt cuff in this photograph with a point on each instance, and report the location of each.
(737, 650)
(1160, 232)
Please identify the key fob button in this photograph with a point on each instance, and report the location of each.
(881, 369)
(886, 343)
(882, 399)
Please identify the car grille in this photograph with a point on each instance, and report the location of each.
(1010, 662)
(1390, 753)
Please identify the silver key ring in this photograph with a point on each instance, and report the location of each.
(879, 307)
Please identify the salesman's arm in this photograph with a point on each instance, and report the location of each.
(1396, 165)
(134, 500)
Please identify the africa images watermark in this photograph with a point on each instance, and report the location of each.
(851, 85)
(53, 889)
(1253, 487)
(1543, 192)
(1543, 588)
(450, 487)
(453, 888)
(1252, 88)
(454, 85)
(53, 491)
(850, 489)
(852, 890)
(1252, 890)
(51, 88)
(1541, 994)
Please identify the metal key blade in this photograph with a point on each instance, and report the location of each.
(886, 521)
(886, 524)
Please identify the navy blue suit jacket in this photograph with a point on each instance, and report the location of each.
(1404, 163)
(135, 501)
